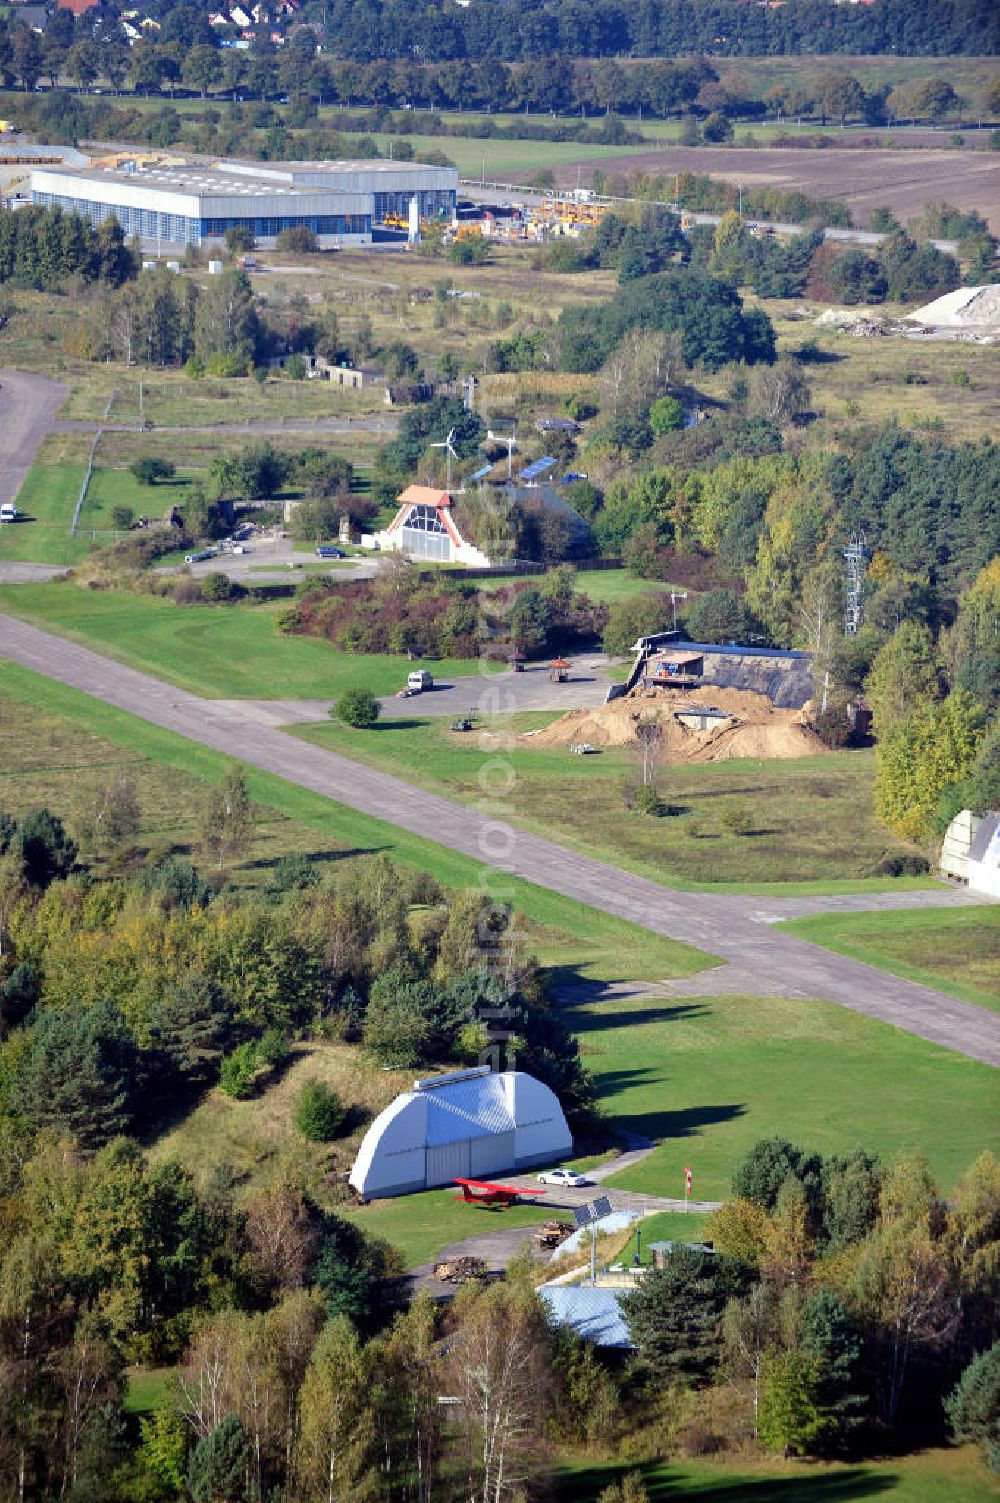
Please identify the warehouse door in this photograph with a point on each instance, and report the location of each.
(492, 1155)
(448, 1161)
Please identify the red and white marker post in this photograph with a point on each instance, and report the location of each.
(687, 1188)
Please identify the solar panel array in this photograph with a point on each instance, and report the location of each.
(538, 467)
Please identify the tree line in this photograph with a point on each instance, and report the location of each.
(560, 77)
(389, 31)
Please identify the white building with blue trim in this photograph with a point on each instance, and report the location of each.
(343, 203)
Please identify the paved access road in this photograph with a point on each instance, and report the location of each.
(28, 405)
(384, 425)
(737, 929)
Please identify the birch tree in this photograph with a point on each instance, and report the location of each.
(499, 1366)
(334, 1453)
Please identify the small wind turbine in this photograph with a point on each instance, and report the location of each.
(446, 444)
(510, 439)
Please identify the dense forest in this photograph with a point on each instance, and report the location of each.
(386, 30)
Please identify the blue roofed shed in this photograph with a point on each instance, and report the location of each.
(594, 1314)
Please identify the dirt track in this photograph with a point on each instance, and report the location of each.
(864, 179)
(736, 929)
(28, 405)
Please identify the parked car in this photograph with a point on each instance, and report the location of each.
(419, 679)
(8, 512)
(327, 550)
(568, 1177)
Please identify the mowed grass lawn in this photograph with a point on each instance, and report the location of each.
(507, 158)
(606, 585)
(111, 487)
(955, 1475)
(706, 1077)
(813, 819)
(41, 534)
(955, 949)
(222, 652)
(49, 495)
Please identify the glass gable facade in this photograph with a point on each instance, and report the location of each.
(425, 535)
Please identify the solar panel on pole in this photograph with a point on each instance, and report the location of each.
(600, 1207)
(538, 467)
(582, 1216)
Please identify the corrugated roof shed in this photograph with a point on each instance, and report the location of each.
(594, 1314)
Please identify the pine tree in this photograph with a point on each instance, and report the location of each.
(189, 1026)
(220, 1467)
(76, 1074)
(45, 850)
(973, 1407)
(674, 1314)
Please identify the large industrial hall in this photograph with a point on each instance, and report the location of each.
(192, 203)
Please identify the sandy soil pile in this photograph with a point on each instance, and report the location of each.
(964, 307)
(754, 727)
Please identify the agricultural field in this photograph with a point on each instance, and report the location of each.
(864, 179)
(956, 951)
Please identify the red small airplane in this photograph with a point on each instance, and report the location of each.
(478, 1192)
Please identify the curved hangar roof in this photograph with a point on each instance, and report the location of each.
(463, 1125)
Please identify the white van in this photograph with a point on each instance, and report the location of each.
(8, 512)
(419, 679)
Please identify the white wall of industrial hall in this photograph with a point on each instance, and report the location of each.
(465, 1124)
(193, 203)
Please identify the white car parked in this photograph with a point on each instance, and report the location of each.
(563, 1177)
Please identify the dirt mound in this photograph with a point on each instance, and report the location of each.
(752, 726)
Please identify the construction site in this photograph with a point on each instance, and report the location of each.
(708, 703)
(547, 220)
